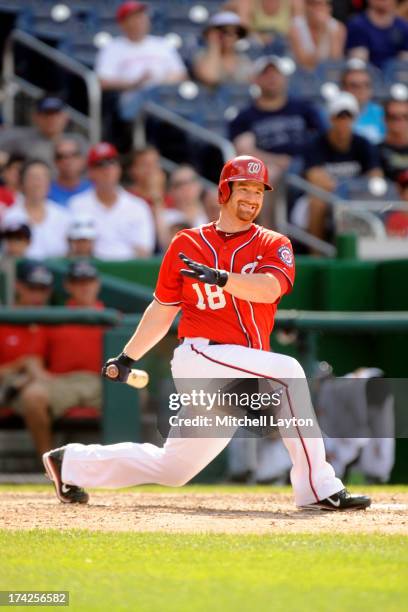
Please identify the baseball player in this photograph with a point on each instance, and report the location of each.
(226, 278)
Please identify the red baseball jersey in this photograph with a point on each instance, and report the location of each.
(207, 310)
(21, 340)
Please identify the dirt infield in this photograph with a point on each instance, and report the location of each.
(198, 513)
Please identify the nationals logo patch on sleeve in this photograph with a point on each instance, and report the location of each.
(286, 255)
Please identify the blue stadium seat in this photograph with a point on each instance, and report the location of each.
(194, 108)
(236, 95)
(304, 84)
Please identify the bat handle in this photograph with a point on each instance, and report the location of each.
(112, 371)
(137, 378)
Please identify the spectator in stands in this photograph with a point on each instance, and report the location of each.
(23, 347)
(274, 127)
(137, 59)
(396, 221)
(74, 360)
(370, 123)
(344, 9)
(81, 237)
(187, 208)
(48, 221)
(268, 17)
(82, 285)
(70, 162)
(332, 158)
(149, 182)
(124, 224)
(147, 178)
(16, 237)
(211, 204)
(34, 282)
(394, 149)
(316, 36)
(186, 192)
(49, 121)
(10, 179)
(220, 61)
(378, 34)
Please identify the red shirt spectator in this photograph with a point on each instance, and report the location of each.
(75, 347)
(20, 341)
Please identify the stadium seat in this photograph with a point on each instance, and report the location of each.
(187, 99)
(304, 84)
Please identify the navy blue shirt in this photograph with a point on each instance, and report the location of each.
(360, 158)
(383, 44)
(284, 131)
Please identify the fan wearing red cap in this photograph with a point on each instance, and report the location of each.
(137, 59)
(123, 223)
(227, 279)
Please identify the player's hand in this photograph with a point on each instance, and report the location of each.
(203, 273)
(123, 365)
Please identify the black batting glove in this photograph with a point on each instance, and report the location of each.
(203, 273)
(123, 365)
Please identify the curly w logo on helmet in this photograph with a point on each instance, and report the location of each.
(254, 167)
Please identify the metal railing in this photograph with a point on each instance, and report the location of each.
(13, 83)
(163, 114)
(363, 211)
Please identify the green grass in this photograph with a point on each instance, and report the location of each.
(212, 572)
(169, 572)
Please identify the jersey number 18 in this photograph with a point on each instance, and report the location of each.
(214, 294)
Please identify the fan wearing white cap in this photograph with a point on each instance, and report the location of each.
(220, 61)
(333, 158)
(81, 237)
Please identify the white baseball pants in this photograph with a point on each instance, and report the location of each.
(180, 459)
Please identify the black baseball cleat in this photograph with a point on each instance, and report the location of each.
(343, 500)
(66, 493)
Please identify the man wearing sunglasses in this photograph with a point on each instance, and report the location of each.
(394, 149)
(69, 161)
(123, 222)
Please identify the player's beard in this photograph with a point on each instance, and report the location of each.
(246, 214)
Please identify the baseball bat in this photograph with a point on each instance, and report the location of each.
(137, 378)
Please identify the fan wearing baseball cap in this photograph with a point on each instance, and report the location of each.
(123, 222)
(81, 237)
(16, 237)
(23, 347)
(137, 59)
(335, 157)
(72, 352)
(49, 121)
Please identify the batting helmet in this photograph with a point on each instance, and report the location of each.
(242, 168)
